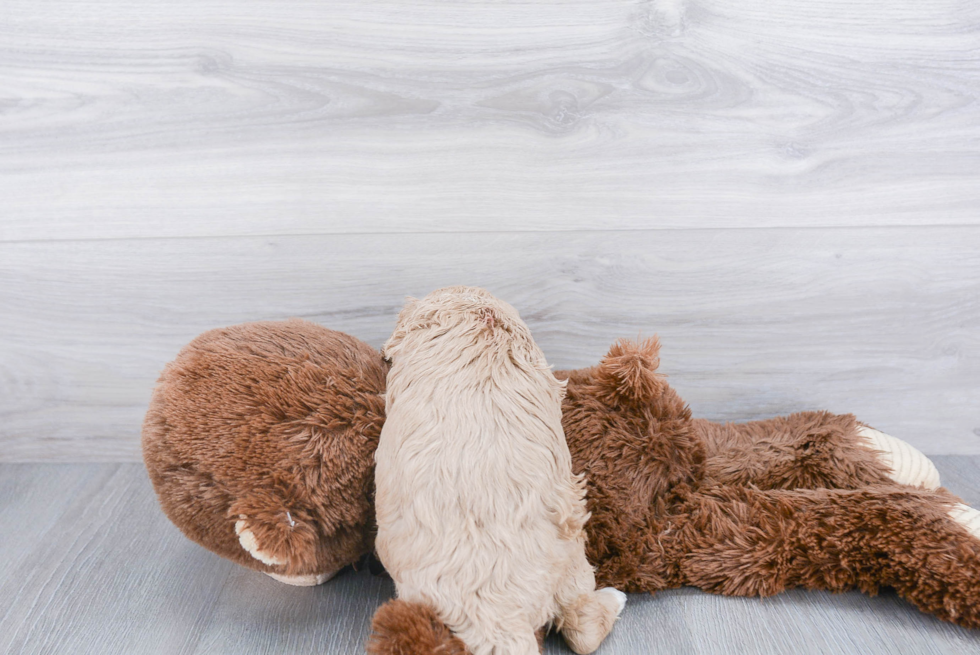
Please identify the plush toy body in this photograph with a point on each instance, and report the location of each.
(812, 500)
(757, 508)
(478, 511)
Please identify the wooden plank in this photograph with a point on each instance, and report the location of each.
(754, 323)
(23, 489)
(216, 118)
(112, 575)
(106, 573)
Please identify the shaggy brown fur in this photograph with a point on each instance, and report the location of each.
(749, 509)
(401, 628)
(262, 419)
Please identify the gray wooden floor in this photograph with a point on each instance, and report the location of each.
(89, 564)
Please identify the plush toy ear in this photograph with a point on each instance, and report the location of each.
(629, 370)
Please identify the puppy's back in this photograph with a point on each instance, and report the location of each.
(478, 510)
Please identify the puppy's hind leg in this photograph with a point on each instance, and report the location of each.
(492, 636)
(586, 615)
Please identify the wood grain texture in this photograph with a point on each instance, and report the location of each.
(109, 574)
(89, 564)
(190, 118)
(884, 323)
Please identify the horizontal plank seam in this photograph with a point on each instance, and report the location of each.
(279, 235)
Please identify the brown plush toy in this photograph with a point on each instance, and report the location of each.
(260, 438)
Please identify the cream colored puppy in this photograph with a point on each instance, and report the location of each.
(479, 513)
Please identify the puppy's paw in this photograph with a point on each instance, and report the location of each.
(618, 596)
(967, 517)
(906, 464)
(248, 541)
(590, 618)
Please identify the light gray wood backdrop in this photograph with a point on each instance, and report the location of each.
(787, 191)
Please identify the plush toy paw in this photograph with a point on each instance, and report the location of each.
(251, 544)
(310, 580)
(968, 517)
(907, 465)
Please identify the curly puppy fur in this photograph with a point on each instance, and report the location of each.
(478, 512)
(744, 509)
(274, 425)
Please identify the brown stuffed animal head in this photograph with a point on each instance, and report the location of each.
(260, 442)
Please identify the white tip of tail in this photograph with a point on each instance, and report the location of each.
(908, 465)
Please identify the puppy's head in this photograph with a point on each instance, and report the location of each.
(470, 314)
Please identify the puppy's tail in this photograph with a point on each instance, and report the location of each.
(629, 371)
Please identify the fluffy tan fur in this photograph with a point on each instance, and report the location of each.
(479, 514)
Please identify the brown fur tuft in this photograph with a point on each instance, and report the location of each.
(403, 628)
(629, 370)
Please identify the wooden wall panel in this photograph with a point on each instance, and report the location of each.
(884, 323)
(189, 118)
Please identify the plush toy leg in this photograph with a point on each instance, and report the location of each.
(967, 517)
(906, 464)
(310, 580)
(248, 541)
(810, 450)
(284, 539)
(749, 542)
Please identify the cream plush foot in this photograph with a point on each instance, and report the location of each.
(968, 517)
(310, 580)
(908, 465)
(249, 543)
